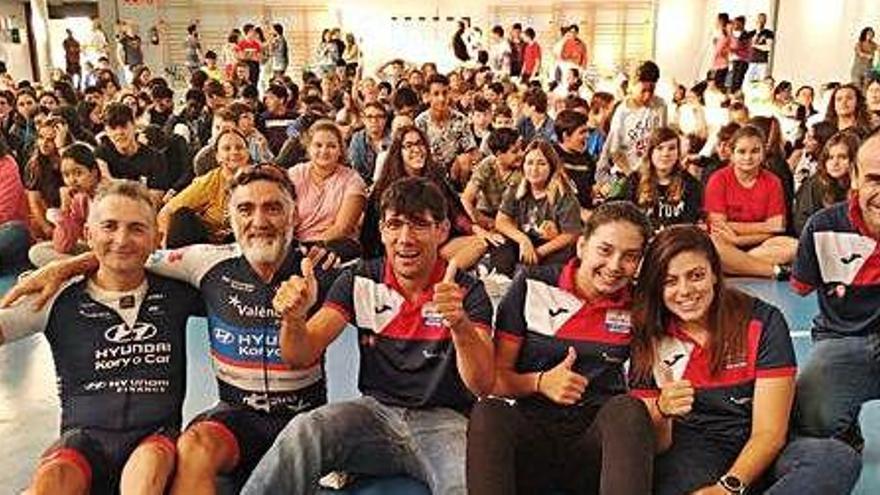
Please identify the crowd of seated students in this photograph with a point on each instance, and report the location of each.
(557, 196)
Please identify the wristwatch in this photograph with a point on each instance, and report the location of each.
(732, 484)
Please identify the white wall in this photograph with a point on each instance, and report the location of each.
(815, 38)
(16, 56)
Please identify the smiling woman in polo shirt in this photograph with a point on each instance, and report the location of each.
(562, 336)
(716, 369)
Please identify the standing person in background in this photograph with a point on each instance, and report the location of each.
(193, 48)
(762, 44)
(720, 52)
(249, 52)
(229, 53)
(130, 50)
(573, 52)
(631, 127)
(499, 52)
(531, 58)
(72, 58)
(96, 45)
(517, 44)
(863, 57)
(459, 46)
(280, 53)
(740, 52)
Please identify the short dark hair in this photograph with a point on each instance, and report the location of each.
(438, 79)
(530, 32)
(404, 97)
(567, 121)
(537, 98)
(501, 140)
(118, 115)
(214, 88)
(413, 196)
(517, 26)
(211, 54)
(279, 91)
(481, 105)
(278, 28)
(498, 30)
(648, 71)
(615, 211)
(160, 91)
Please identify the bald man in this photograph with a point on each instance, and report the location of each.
(839, 258)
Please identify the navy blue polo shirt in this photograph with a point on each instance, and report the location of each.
(542, 312)
(407, 355)
(722, 407)
(839, 259)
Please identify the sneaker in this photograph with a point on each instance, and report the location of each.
(782, 272)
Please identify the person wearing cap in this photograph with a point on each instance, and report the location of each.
(631, 127)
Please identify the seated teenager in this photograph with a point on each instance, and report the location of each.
(572, 424)
(540, 216)
(746, 210)
(198, 214)
(831, 182)
(716, 370)
(571, 132)
(42, 180)
(14, 235)
(79, 169)
(491, 177)
(805, 161)
(661, 187)
(410, 156)
(330, 195)
(119, 419)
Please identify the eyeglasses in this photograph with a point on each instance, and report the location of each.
(417, 225)
(264, 171)
(411, 145)
(374, 116)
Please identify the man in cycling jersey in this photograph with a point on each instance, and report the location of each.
(259, 393)
(118, 341)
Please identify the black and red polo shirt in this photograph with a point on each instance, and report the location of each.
(542, 311)
(722, 407)
(407, 355)
(838, 258)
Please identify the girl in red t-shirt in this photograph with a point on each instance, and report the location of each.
(746, 210)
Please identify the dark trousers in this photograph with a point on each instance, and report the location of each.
(515, 450)
(720, 78)
(739, 74)
(254, 72)
(505, 258)
(186, 228)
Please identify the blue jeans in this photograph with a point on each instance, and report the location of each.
(364, 436)
(840, 376)
(805, 466)
(14, 241)
(815, 466)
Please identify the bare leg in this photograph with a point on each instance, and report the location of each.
(777, 250)
(148, 469)
(59, 477)
(203, 452)
(735, 261)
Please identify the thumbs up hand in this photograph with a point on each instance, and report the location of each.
(676, 396)
(448, 299)
(299, 293)
(561, 384)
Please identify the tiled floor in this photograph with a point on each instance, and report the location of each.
(29, 410)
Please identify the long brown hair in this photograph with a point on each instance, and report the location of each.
(394, 168)
(646, 193)
(558, 183)
(729, 312)
(834, 190)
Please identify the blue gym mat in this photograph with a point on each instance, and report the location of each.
(29, 409)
